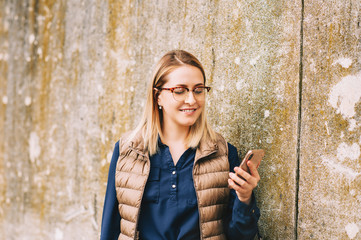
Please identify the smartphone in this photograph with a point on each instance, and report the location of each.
(255, 156)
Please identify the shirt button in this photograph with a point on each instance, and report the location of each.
(173, 186)
(173, 172)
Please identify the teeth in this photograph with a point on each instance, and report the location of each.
(192, 110)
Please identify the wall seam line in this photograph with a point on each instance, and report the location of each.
(299, 122)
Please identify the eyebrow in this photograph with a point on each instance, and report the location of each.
(183, 85)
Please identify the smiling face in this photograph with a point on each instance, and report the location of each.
(181, 114)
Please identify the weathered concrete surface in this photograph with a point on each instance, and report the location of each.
(330, 163)
(255, 97)
(73, 78)
(53, 170)
(3, 71)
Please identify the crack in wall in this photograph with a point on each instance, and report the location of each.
(299, 121)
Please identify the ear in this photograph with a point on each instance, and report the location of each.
(157, 96)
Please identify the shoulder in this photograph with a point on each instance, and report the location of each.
(116, 146)
(114, 158)
(220, 140)
(131, 139)
(124, 137)
(232, 151)
(124, 141)
(229, 148)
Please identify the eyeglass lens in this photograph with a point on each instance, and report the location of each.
(181, 94)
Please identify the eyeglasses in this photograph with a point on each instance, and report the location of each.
(181, 93)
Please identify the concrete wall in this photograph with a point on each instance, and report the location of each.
(285, 76)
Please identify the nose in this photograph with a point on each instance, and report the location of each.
(190, 99)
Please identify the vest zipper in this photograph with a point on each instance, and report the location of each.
(136, 236)
(195, 188)
(137, 219)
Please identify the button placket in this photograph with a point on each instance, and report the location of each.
(173, 182)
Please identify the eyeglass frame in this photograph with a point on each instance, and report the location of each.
(188, 90)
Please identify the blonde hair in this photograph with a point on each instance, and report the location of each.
(150, 124)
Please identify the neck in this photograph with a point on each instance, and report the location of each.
(174, 134)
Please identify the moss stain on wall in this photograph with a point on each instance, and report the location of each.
(330, 77)
(114, 109)
(81, 72)
(4, 24)
(47, 32)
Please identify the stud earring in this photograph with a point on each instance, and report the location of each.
(160, 107)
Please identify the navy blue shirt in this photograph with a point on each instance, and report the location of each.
(169, 207)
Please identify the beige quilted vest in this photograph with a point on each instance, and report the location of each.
(210, 174)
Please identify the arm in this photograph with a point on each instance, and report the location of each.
(242, 217)
(110, 228)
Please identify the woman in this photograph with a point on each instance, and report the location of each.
(173, 177)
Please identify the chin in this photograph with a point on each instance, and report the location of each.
(189, 123)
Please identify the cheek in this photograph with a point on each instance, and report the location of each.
(201, 104)
(167, 102)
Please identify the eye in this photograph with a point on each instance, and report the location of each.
(198, 90)
(179, 90)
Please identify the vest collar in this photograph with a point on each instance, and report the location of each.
(137, 145)
(205, 148)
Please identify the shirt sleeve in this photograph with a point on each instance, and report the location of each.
(241, 220)
(110, 228)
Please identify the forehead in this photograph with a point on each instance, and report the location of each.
(185, 75)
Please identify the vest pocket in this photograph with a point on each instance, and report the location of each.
(152, 188)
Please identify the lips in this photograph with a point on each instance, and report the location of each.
(188, 110)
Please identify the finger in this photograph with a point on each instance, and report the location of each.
(253, 168)
(253, 181)
(239, 181)
(237, 187)
(242, 173)
(242, 194)
(242, 185)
